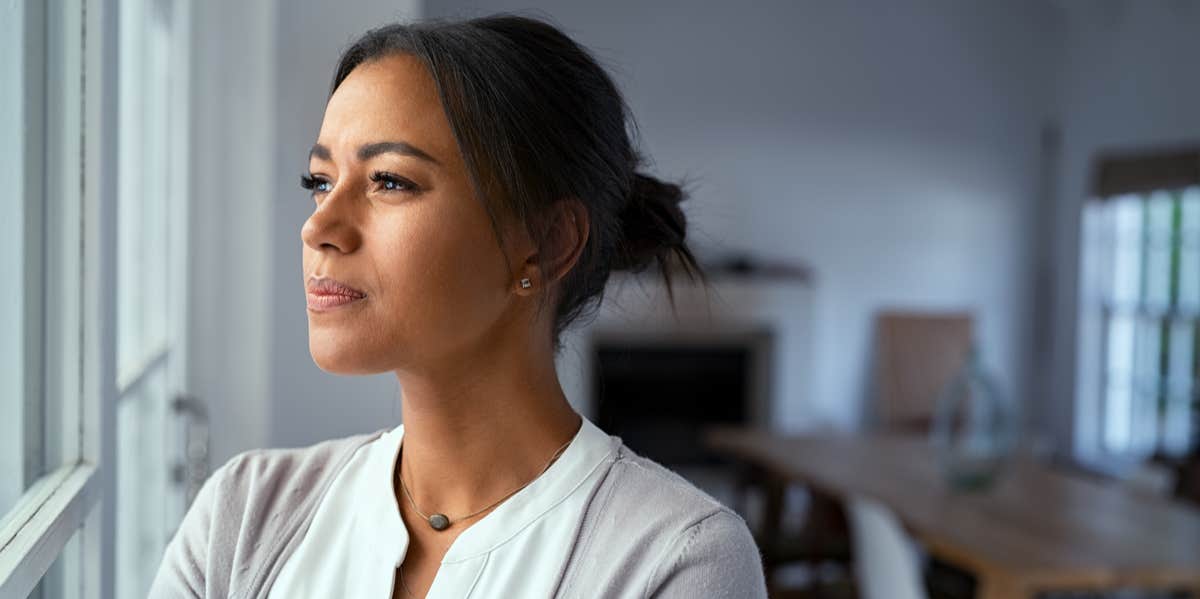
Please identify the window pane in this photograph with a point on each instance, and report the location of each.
(63, 234)
(1127, 222)
(1177, 421)
(1147, 385)
(149, 311)
(1189, 254)
(40, 256)
(145, 188)
(1156, 278)
(143, 487)
(22, 73)
(1119, 394)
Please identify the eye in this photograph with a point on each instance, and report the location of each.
(389, 182)
(316, 184)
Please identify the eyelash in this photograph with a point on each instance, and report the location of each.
(386, 178)
(313, 182)
(310, 182)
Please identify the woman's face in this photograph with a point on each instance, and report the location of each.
(396, 219)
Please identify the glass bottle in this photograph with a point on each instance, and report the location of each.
(973, 427)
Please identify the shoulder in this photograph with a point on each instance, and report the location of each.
(658, 494)
(651, 528)
(244, 511)
(269, 489)
(264, 482)
(264, 470)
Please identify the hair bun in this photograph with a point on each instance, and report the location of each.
(652, 223)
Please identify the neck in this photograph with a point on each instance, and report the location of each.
(473, 434)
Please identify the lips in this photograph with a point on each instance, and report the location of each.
(326, 294)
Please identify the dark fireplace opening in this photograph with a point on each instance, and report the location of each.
(660, 394)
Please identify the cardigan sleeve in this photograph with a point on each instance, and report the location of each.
(716, 557)
(237, 526)
(185, 564)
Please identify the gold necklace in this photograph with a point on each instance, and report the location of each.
(440, 521)
(403, 584)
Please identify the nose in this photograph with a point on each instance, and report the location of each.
(333, 226)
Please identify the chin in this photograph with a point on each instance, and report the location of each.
(342, 356)
(333, 362)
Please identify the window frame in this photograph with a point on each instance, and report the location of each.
(1117, 175)
(75, 497)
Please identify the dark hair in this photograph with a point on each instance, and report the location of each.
(538, 120)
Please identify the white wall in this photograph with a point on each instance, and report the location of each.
(232, 137)
(896, 151)
(1129, 79)
(308, 405)
(261, 72)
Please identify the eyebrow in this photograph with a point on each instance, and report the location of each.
(371, 150)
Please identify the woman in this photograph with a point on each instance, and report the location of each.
(474, 185)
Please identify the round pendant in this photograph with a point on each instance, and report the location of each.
(439, 522)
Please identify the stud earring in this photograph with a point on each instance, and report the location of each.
(525, 284)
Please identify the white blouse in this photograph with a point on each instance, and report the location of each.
(357, 538)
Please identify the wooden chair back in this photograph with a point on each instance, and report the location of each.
(917, 354)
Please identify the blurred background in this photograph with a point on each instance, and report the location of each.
(952, 346)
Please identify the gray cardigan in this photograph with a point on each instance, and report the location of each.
(646, 532)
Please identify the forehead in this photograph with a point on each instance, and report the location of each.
(388, 99)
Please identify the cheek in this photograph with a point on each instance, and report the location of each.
(438, 284)
(443, 275)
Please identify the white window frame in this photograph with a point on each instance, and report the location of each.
(1095, 310)
(63, 530)
(75, 497)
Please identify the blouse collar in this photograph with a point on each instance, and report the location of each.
(588, 450)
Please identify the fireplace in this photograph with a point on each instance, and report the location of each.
(659, 391)
(657, 373)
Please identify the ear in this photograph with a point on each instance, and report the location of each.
(567, 230)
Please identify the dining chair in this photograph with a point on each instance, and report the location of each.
(886, 564)
(916, 355)
(1152, 478)
(1187, 478)
(820, 543)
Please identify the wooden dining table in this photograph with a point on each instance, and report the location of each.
(1037, 528)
